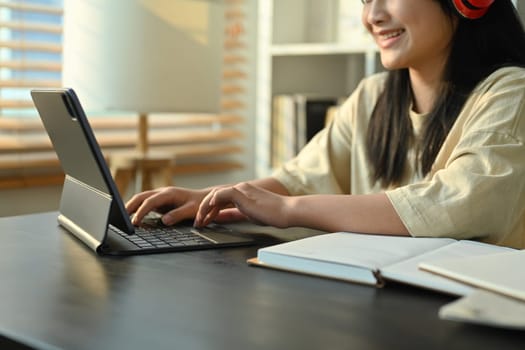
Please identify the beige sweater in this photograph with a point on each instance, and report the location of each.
(476, 189)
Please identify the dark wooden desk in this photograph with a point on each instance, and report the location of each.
(56, 293)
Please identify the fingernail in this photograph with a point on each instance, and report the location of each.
(196, 222)
(167, 220)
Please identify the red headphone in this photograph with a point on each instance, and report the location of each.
(472, 9)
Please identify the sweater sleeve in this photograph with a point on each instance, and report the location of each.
(477, 187)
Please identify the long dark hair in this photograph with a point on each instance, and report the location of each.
(478, 48)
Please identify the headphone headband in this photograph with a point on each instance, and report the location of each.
(472, 9)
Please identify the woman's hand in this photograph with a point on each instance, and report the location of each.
(252, 202)
(175, 203)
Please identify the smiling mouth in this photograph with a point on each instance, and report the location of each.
(391, 35)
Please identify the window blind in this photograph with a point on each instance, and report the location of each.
(30, 52)
(31, 57)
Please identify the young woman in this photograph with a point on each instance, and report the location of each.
(434, 147)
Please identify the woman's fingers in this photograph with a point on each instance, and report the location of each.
(210, 216)
(186, 211)
(230, 215)
(134, 203)
(210, 205)
(142, 203)
(243, 196)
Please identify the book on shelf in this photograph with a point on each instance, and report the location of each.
(283, 130)
(373, 259)
(295, 121)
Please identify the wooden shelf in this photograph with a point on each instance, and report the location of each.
(304, 48)
(318, 49)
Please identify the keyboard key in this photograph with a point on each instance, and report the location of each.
(163, 237)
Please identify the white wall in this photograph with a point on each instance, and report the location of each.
(143, 55)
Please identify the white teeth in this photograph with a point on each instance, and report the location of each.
(392, 34)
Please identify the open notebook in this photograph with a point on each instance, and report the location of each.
(91, 207)
(373, 259)
(502, 272)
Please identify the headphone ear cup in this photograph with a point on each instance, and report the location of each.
(472, 9)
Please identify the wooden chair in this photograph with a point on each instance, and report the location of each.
(141, 165)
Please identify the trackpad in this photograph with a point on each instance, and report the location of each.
(218, 234)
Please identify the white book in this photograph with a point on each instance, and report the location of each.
(371, 259)
(486, 308)
(501, 272)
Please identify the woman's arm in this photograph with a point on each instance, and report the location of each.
(358, 213)
(369, 213)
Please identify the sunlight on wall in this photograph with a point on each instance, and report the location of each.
(188, 15)
(144, 55)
